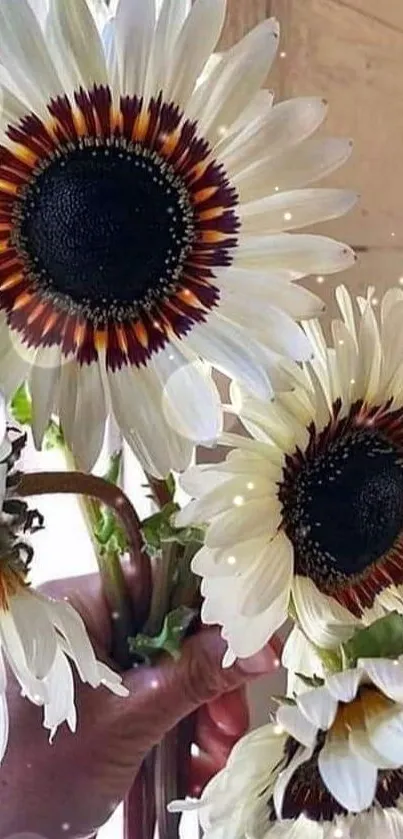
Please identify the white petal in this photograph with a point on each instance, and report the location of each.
(3, 420)
(4, 725)
(301, 756)
(300, 252)
(223, 498)
(290, 300)
(12, 109)
(386, 675)
(248, 521)
(325, 622)
(350, 779)
(15, 362)
(385, 732)
(190, 399)
(24, 53)
(344, 686)
(282, 127)
(318, 706)
(370, 355)
(299, 656)
(60, 707)
(230, 349)
(40, 7)
(297, 167)
(35, 631)
(247, 636)
(112, 680)
(297, 725)
(273, 326)
(154, 442)
(76, 45)
(199, 480)
(360, 744)
(72, 627)
(170, 21)
(43, 382)
(134, 29)
(90, 413)
(297, 208)
(237, 559)
(271, 576)
(194, 46)
(238, 77)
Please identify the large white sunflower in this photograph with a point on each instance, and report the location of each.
(329, 768)
(311, 507)
(143, 194)
(40, 638)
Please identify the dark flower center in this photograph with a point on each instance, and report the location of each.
(344, 506)
(106, 226)
(307, 794)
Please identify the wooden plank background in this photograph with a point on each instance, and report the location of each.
(351, 52)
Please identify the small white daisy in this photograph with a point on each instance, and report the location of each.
(40, 638)
(337, 775)
(311, 508)
(144, 191)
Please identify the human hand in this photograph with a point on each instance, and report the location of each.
(70, 788)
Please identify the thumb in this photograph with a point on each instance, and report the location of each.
(174, 689)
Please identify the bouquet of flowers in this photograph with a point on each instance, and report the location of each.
(150, 188)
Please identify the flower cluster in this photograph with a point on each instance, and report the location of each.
(304, 517)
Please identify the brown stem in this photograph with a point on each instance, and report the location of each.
(79, 483)
(139, 809)
(159, 491)
(172, 770)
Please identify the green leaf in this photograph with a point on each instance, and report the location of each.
(171, 485)
(113, 472)
(21, 406)
(284, 700)
(311, 681)
(53, 437)
(158, 528)
(383, 639)
(109, 534)
(169, 640)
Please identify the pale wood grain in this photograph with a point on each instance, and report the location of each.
(242, 15)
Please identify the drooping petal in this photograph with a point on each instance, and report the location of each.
(350, 779)
(35, 631)
(230, 349)
(43, 382)
(318, 706)
(297, 725)
(187, 385)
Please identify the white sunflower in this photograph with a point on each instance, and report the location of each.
(144, 191)
(311, 508)
(338, 773)
(40, 638)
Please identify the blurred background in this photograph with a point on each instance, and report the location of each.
(351, 53)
